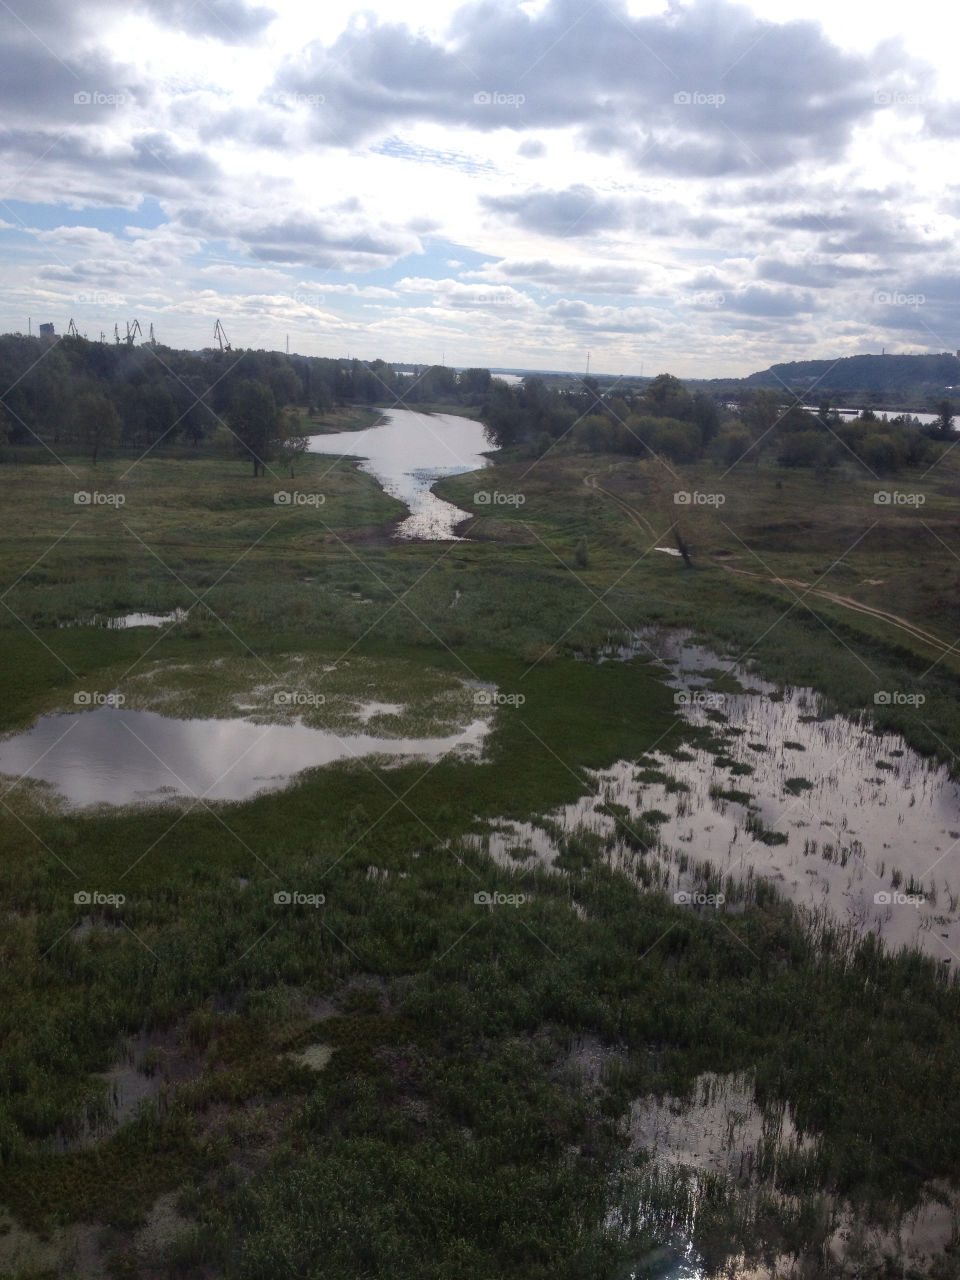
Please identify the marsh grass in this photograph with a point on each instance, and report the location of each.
(444, 1135)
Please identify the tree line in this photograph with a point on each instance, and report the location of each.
(665, 419)
(97, 394)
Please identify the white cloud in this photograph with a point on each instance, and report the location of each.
(338, 173)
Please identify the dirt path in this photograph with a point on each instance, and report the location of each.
(845, 602)
(640, 521)
(857, 606)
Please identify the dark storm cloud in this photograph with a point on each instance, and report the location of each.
(812, 275)
(335, 238)
(613, 278)
(705, 90)
(580, 211)
(584, 317)
(574, 212)
(756, 300)
(882, 234)
(226, 20)
(94, 168)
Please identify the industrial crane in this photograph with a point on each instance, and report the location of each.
(153, 340)
(132, 332)
(72, 330)
(221, 337)
(116, 334)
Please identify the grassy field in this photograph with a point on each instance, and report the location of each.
(389, 1083)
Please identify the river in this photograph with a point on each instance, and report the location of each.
(407, 453)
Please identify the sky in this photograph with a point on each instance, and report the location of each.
(700, 188)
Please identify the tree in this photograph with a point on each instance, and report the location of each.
(254, 420)
(503, 415)
(285, 385)
(667, 397)
(95, 421)
(474, 382)
(761, 411)
(810, 448)
(293, 442)
(945, 419)
(706, 415)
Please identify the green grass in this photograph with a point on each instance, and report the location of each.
(447, 1134)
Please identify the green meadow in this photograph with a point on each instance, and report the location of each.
(390, 1081)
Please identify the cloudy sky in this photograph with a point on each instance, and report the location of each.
(704, 188)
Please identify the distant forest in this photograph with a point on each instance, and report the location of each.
(103, 396)
(156, 392)
(886, 381)
(667, 419)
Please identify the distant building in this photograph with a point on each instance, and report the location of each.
(47, 331)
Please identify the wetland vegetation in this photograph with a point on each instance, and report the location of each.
(439, 1016)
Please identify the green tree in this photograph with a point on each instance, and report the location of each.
(504, 416)
(285, 385)
(254, 420)
(95, 422)
(293, 442)
(944, 422)
(667, 397)
(474, 382)
(706, 415)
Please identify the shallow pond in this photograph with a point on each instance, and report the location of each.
(126, 620)
(855, 827)
(116, 756)
(407, 453)
(685, 1145)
